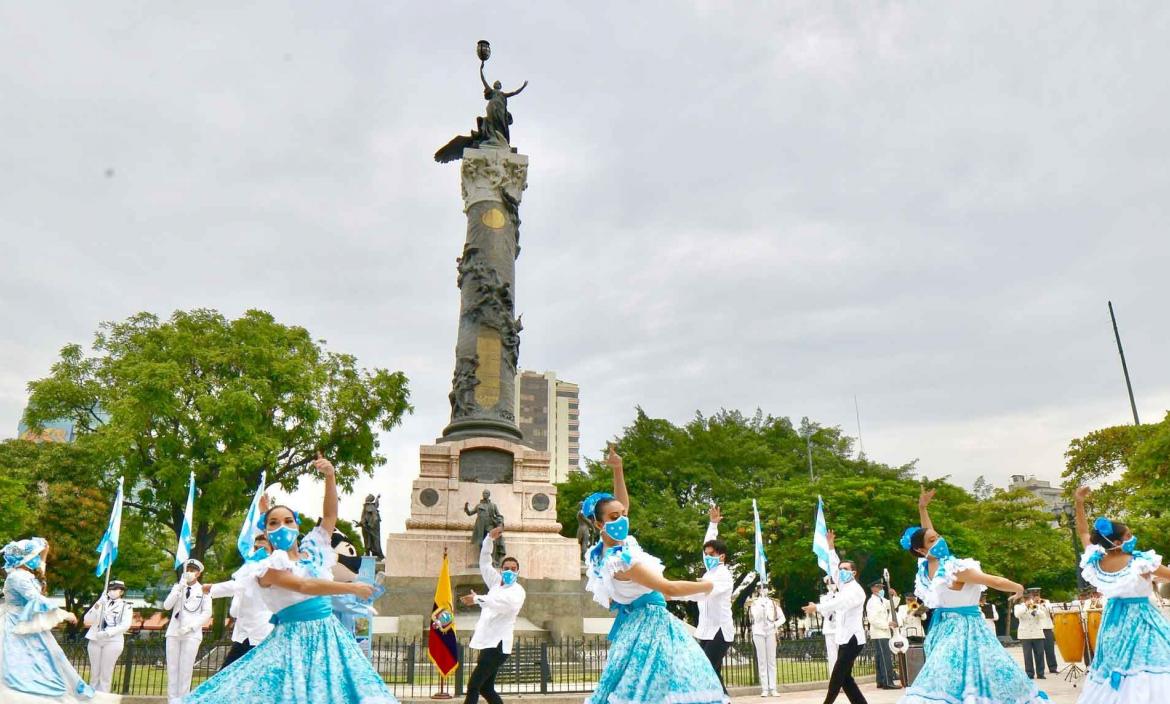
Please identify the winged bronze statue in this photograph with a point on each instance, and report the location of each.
(491, 129)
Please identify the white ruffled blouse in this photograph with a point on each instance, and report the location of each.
(1133, 580)
(936, 592)
(605, 563)
(317, 560)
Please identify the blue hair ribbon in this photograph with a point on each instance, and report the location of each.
(1104, 526)
(589, 505)
(908, 535)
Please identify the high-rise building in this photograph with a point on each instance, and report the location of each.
(548, 415)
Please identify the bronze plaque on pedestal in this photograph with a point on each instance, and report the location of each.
(485, 466)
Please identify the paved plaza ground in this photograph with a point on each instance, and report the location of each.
(1059, 692)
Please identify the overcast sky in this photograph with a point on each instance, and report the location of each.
(739, 205)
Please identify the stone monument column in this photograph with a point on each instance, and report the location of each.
(488, 347)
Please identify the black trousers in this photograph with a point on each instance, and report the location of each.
(715, 649)
(237, 651)
(483, 677)
(1050, 649)
(1033, 656)
(885, 662)
(842, 676)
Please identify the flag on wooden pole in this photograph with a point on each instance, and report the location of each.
(442, 642)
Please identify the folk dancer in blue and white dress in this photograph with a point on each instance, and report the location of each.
(108, 619)
(309, 657)
(965, 664)
(33, 668)
(652, 658)
(1132, 663)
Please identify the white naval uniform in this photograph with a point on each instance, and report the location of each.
(190, 609)
(498, 608)
(829, 620)
(108, 622)
(766, 617)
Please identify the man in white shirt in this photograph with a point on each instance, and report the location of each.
(108, 621)
(910, 617)
(497, 619)
(767, 616)
(848, 605)
(881, 624)
(252, 617)
(1031, 635)
(190, 609)
(716, 630)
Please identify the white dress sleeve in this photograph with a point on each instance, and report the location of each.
(605, 563)
(931, 591)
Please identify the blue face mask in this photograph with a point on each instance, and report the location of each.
(711, 561)
(283, 538)
(508, 577)
(844, 576)
(34, 563)
(258, 554)
(619, 530)
(940, 549)
(1130, 545)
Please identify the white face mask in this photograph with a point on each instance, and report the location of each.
(190, 577)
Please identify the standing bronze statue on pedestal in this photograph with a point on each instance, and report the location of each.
(491, 130)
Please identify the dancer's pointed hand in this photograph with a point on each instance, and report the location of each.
(925, 498)
(1083, 493)
(612, 458)
(715, 514)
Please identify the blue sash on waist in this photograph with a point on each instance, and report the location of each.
(313, 609)
(624, 610)
(972, 611)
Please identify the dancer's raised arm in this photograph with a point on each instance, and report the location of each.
(329, 509)
(614, 460)
(924, 500)
(1082, 520)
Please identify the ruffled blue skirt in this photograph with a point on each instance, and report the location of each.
(33, 664)
(653, 660)
(300, 662)
(965, 664)
(1132, 663)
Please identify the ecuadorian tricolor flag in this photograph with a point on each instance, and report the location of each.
(442, 645)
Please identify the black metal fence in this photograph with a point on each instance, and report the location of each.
(566, 665)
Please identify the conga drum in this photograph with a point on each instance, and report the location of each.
(1092, 625)
(1070, 636)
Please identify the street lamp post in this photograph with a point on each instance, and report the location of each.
(1065, 511)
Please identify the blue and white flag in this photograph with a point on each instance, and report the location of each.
(186, 540)
(761, 558)
(108, 548)
(249, 530)
(821, 537)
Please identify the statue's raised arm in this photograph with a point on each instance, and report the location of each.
(515, 92)
(492, 130)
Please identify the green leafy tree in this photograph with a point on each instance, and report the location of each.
(63, 496)
(675, 472)
(1132, 466)
(20, 495)
(225, 399)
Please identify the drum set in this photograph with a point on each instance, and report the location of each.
(1075, 630)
